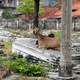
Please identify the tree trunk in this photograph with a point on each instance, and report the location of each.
(66, 66)
(36, 13)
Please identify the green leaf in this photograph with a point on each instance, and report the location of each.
(27, 7)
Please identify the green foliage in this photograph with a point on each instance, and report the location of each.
(7, 44)
(7, 14)
(36, 70)
(27, 7)
(22, 66)
(57, 34)
(7, 47)
(18, 65)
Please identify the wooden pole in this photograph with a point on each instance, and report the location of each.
(66, 66)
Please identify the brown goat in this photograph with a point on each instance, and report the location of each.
(44, 41)
(48, 42)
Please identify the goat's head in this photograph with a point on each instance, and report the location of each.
(36, 31)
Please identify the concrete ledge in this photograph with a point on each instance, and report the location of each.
(55, 76)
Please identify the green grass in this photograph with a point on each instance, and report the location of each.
(15, 32)
(23, 67)
(7, 47)
(18, 32)
(8, 44)
(57, 34)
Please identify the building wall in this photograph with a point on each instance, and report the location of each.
(9, 3)
(48, 2)
(57, 24)
(75, 23)
(47, 24)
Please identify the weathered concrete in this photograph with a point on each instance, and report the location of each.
(26, 46)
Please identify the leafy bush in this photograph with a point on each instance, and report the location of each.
(15, 56)
(36, 70)
(22, 66)
(19, 65)
(7, 14)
